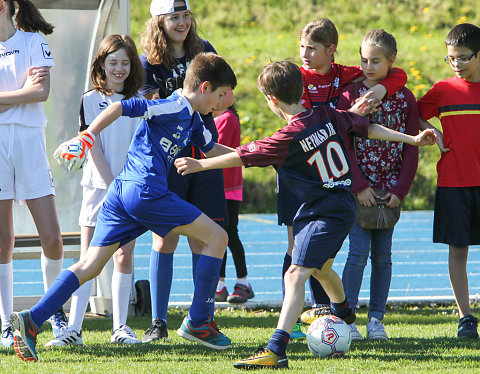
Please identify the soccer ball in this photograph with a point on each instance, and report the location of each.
(328, 336)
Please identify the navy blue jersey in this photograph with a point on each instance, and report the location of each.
(167, 127)
(308, 153)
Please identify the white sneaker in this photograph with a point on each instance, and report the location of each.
(124, 335)
(66, 337)
(375, 330)
(354, 333)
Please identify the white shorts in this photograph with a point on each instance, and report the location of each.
(24, 169)
(91, 204)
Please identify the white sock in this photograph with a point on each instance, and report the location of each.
(121, 286)
(50, 270)
(78, 306)
(220, 286)
(6, 293)
(243, 281)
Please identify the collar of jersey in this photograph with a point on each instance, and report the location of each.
(182, 97)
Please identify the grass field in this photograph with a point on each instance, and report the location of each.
(422, 340)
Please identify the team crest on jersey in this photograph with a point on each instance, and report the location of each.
(252, 147)
(102, 105)
(46, 52)
(312, 88)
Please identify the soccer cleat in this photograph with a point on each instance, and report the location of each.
(59, 322)
(222, 295)
(207, 334)
(262, 358)
(24, 335)
(311, 315)
(354, 333)
(7, 337)
(297, 332)
(66, 337)
(157, 331)
(467, 327)
(241, 294)
(375, 330)
(124, 335)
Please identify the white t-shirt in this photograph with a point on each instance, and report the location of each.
(19, 53)
(116, 137)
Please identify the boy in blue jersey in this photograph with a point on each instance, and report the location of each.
(139, 200)
(309, 156)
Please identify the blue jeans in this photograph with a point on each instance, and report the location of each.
(377, 243)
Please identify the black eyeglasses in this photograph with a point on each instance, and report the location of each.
(459, 60)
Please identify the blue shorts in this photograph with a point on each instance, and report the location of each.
(287, 204)
(204, 190)
(456, 219)
(320, 228)
(131, 208)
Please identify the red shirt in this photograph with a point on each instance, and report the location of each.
(321, 89)
(228, 127)
(456, 103)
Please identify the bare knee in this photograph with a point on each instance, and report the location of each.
(52, 245)
(7, 243)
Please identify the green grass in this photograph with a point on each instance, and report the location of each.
(422, 340)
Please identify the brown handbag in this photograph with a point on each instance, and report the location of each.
(379, 216)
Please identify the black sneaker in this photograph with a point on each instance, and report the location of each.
(467, 327)
(157, 331)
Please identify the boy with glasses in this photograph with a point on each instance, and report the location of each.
(456, 102)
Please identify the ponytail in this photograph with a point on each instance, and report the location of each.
(29, 18)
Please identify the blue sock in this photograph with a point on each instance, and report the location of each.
(278, 342)
(287, 261)
(160, 274)
(58, 294)
(208, 270)
(195, 258)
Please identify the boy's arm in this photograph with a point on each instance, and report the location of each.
(188, 165)
(427, 125)
(218, 150)
(391, 84)
(426, 137)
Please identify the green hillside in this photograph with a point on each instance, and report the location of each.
(250, 33)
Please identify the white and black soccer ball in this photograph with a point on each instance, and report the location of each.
(329, 336)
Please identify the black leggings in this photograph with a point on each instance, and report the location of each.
(234, 243)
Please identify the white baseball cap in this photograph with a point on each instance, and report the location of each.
(159, 7)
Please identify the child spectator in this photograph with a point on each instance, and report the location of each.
(24, 169)
(378, 165)
(116, 74)
(309, 155)
(139, 200)
(170, 41)
(456, 102)
(228, 127)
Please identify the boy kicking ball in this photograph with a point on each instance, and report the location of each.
(139, 200)
(309, 156)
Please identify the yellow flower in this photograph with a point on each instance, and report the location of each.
(249, 60)
(252, 23)
(341, 36)
(423, 48)
(425, 10)
(412, 63)
(246, 140)
(413, 28)
(280, 37)
(253, 57)
(463, 10)
(462, 19)
(428, 36)
(260, 130)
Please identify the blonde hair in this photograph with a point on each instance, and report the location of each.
(155, 43)
(382, 39)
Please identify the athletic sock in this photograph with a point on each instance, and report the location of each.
(244, 282)
(161, 273)
(195, 258)
(287, 261)
(57, 295)
(121, 287)
(6, 293)
(341, 310)
(279, 341)
(78, 306)
(207, 274)
(50, 270)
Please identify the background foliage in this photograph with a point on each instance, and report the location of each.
(251, 33)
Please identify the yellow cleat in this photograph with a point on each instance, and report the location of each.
(311, 315)
(262, 358)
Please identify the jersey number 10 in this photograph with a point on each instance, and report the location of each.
(327, 174)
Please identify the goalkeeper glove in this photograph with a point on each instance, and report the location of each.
(72, 154)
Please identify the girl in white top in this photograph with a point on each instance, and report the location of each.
(116, 74)
(25, 62)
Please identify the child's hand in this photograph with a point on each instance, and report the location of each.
(5, 107)
(393, 200)
(73, 153)
(187, 165)
(440, 144)
(366, 104)
(37, 75)
(367, 197)
(426, 137)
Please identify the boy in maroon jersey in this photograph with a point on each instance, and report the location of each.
(309, 155)
(456, 102)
